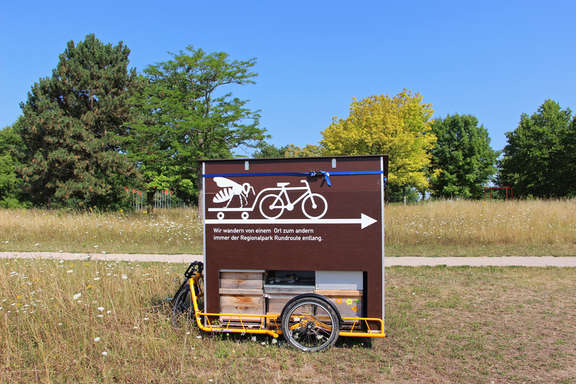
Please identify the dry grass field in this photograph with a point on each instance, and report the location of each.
(109, 322)
(441, 228)
(167, 231)
(483, 228)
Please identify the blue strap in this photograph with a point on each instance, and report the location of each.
(311, 174)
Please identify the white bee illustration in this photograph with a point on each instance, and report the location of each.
(231, 189)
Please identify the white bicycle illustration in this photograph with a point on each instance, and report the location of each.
(272, 206)
(272, 201)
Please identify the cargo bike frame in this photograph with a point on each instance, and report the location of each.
(311, 329)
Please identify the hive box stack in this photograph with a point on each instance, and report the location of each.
(241, 293)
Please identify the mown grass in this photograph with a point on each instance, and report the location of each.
(440, 228)
(474, 325)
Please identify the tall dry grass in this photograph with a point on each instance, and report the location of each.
(168, 230)
(463, 228)
(108, 322)
(532, 222)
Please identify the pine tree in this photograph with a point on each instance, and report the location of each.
(9, 180)
(72, 128)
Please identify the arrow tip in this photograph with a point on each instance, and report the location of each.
(366, 221)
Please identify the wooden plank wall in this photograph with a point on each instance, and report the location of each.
(241, 293)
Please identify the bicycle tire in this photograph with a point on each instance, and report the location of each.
(262, 207)
(317, 197)
(310, 332)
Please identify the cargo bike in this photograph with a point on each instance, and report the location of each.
(307, 264)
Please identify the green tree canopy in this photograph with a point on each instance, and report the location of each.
(568, 179)
(398, 126)
(535, 160)
(270, 151)
(266, 150)
(185, 113)
(462, 159)
(9, 180)
(72, 128)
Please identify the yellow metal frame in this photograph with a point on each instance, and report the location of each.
(274, 329)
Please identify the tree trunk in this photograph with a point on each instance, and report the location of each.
(150, 201)
(404, 194)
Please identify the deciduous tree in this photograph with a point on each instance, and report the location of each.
(462, 159)
(266, 150)
(535, 160)
(269, 151)
(72, 128)
(398, 126)
(309, 150)
(186, 113)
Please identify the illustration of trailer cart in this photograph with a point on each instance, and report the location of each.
(305, 257)
(271, 202)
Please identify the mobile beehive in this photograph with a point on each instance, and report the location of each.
(287, 237)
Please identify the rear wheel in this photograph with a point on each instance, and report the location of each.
(310, 324)
(314, 206)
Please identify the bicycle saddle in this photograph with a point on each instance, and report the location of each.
(282, 184)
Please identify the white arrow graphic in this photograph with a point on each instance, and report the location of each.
(364, 221)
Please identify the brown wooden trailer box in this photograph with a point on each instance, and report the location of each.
(258, 254)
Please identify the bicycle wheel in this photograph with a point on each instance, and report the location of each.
(267, 208)
(310, 324)
(182, 308)
(314, 206)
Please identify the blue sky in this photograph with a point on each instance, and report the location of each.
(492, 59)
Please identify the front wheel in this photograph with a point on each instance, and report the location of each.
(310, 324)
(314, 206)
(271, 206)
(182, 306)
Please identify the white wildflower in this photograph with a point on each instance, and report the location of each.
(124, 276)
(76, 296)
(100, 309)
(96, 339)
(104, 353)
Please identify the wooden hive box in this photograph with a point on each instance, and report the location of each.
(241, 293)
